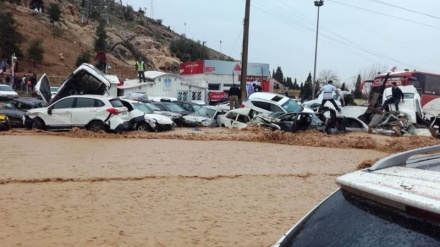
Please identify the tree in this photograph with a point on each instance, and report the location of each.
(278, 75)
(84, 57)
(328, 75)
(289, 83)
(343, 87)
(54, 12)
(357, 89)
(10, 38)
(35, 51)
(101, 37)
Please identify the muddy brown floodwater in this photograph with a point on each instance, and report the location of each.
(190, 187)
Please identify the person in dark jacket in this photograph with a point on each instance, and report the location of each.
(234, 95)
(397, 94)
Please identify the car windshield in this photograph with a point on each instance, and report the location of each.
(174, 108)
(345, 219)
(6, 88)
(142, 107)
(206, 112)
(7, 106)
(152, 107)
(54, 89)
(292, 106)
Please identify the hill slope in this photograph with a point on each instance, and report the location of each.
(65, 40)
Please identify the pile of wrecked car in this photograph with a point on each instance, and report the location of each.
(83, 101)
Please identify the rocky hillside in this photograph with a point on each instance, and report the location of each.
(65, 40)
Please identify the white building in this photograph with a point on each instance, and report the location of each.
(166, 85)
(221, 75)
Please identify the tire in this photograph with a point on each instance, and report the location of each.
(96, 126)
(37, 124)
(143, 127)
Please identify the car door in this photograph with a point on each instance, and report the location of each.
(241, 121)
(60, 114)
(83, 112)
(229, 119)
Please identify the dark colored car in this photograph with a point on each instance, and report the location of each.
(14, 109)
(189, 106)
(293, 122)
(172, 107)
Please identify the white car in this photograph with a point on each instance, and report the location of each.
(81, 101)
(54, 90)
(142, 118)
(268, 103)
(92, 112)
(238, 118)
(411, 104)
(6, 91)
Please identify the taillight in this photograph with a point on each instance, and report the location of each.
(114, 111)
(121, 83)
(242, 105)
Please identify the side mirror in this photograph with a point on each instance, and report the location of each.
(49, 111)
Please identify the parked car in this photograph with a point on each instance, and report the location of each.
(138, 96)
(165, 112)
(237, 118)
(268, 103)
(396, 202)
(54, 90)
(188, 106)
(4, 123)
(6, 91)
(82, 101)
(142, 118)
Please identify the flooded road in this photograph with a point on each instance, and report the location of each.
(64, 191)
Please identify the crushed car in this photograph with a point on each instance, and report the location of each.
(238, 118)
(16, 108)
(142, 118)
(205, 116)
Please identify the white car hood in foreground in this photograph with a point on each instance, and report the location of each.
(408, 186)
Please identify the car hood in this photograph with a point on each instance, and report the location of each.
(8, 93)
(12, 113)
(86, 79)
(161, 119)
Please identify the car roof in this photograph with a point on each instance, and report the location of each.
(95, 96)
(30, 101)
(400, 182)
(273, 97)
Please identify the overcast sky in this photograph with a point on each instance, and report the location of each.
(354, 36)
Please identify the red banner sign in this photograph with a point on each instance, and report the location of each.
(209, 69)
(214, 96)
(254, 78)
(191, 68)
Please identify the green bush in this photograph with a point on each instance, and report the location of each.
(84, 57)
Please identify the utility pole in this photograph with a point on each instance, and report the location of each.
(244, 60)
(152, 9)
(317, 4)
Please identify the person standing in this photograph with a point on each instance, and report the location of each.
(102, 60)
(327, 91)
(140, 68)
(4, 66)
(397, 94)
(257, 88)
(234, 95)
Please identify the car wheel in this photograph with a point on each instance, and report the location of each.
(38, 124)
(143, 127)
(96, 126)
